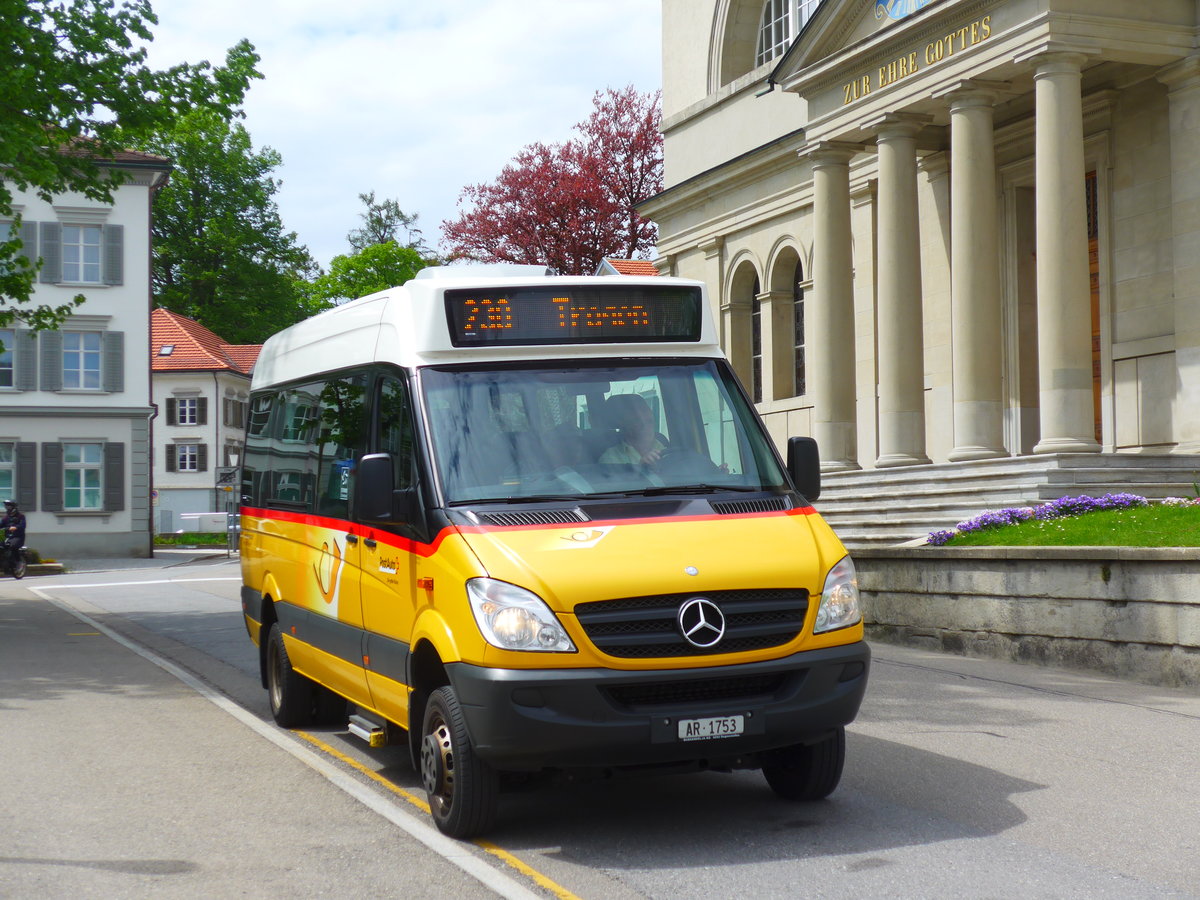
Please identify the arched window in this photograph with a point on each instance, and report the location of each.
(781, 21)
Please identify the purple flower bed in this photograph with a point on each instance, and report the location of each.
(1055, 509)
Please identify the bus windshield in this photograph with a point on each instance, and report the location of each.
(565, 431)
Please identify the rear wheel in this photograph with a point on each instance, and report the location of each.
(290, 693)
(462, 788)
(807, 771)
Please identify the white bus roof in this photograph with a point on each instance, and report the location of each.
(408, 326)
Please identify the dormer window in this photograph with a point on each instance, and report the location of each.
(782, 21)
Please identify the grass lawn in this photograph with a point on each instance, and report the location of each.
(192, 539)
(1140, 526)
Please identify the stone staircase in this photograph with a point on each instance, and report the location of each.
(886, 507)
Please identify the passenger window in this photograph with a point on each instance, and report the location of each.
(396, 431)
(339, 442)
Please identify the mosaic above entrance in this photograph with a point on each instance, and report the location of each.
(898, 9)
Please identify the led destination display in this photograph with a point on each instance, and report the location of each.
(604, 314)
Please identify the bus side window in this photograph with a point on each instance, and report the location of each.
(339, 440)
(396, 431)
(256, 458)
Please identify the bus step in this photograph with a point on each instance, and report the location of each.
(374, 733)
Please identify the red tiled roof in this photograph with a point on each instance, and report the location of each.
(194, 347)
(632, 266)
(244, 355)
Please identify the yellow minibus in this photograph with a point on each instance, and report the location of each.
(529, 523)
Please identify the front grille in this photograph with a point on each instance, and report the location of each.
(745, 689)
(647, 627)
(535, 517)
(743, 507)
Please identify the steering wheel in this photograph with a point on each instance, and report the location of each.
(690, 462)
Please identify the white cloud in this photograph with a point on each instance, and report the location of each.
(413, 99)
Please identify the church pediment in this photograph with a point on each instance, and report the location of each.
(840, 25)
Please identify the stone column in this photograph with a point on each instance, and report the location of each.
(832, 354)
(1183, 81)
(714, 277)
(900, 336)
(1067, 419)
(975, 301)
(777, 311)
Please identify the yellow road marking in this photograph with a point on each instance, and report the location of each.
(500, 853)
(528, 871)
(359, 767)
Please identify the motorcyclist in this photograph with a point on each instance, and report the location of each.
(13, 528)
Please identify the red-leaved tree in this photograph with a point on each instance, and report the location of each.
(569, 205)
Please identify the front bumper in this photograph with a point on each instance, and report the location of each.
(571, 718)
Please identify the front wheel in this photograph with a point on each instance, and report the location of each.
(290, 693)
(18, 565)
(462, 788)
(807, 771)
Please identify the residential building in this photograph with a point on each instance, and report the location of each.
(944, 233)
(75, 403)
(201, 387)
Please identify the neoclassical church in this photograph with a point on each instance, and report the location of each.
(951, 239)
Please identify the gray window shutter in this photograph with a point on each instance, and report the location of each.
(202, 458)
(114, 361)
(113, 238)
(170, 457)
(51, 253)
(202, 411)
(27, 475)
(51, 361)
(114, 477)
(29, 242)
(25, 360)
(52, 477)
(171, 414)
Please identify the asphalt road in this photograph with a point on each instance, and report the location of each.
(964, 778)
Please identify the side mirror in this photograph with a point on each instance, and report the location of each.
(804, 465)
(375, 496)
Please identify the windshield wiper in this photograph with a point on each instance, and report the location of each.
(541, 498)
(520, 498)
(700, 488)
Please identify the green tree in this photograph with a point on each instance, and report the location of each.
(74, 88)
(382, 222)
(221, 253)
(374, 268)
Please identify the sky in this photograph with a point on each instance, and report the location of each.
(411, 99)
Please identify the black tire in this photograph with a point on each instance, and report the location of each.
(18, 569)
(462, 788)
(807, 771)
(290, 693)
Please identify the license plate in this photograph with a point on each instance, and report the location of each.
(707, 729)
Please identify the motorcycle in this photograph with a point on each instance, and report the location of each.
(13, 557)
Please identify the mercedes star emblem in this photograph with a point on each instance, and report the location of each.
(701, 622)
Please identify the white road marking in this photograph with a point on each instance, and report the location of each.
(449, 849)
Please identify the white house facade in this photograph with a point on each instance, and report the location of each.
(75, 403)
(201, 388)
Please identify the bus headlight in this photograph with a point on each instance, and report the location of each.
(839, 605)
(513, 618)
